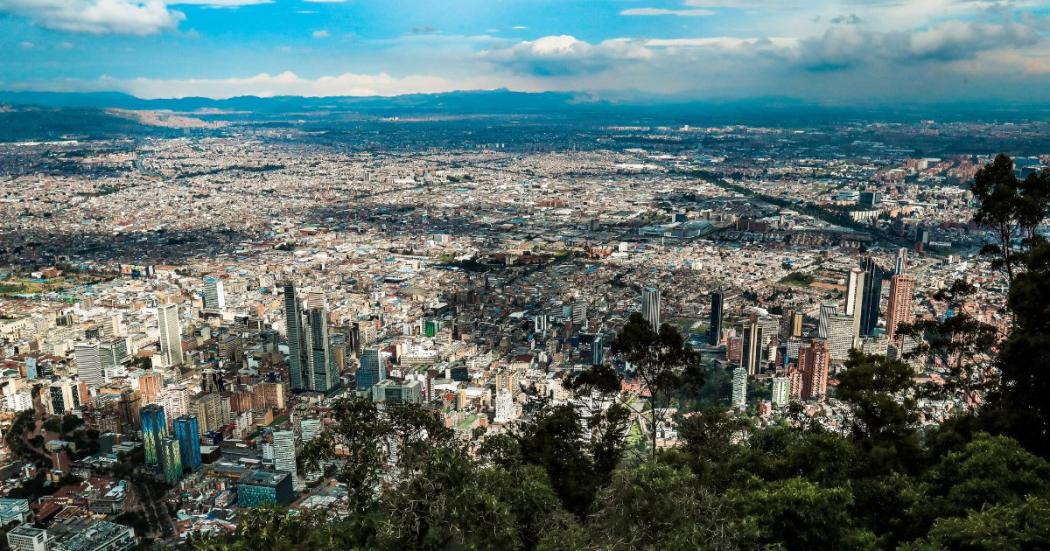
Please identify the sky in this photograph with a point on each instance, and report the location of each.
(839, 52)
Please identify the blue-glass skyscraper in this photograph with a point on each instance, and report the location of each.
(372, 369)
(154, 429)
(187, 432)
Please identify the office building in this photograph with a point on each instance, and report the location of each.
(171, 460)
(309, 428)
(260, 487)
(824, 317)
(372, 369)
(504, 406)
(651, 307)
(63, 396)
(321, 371)
(170, 334)
(296, 344)
(579, 312)
(187, 432)
(739, 388)
(390, 391)
(872, 296)
(154, 430)
(25, 537)
(840, 336)
(112, 355)
(214, 295)
(899, 308)
(855, 298)
(598, 349)
(89, 364)
(284, 451)
(753, 354)
(714, 330)
(83, 534)
(900, 264)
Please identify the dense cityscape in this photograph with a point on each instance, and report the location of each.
(182, 316)
(524, 275)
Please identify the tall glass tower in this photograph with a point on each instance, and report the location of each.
(294, 321)
(154, 430)
(187, 432)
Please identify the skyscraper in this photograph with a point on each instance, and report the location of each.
(154, 430)
(294, 328)
(89, 363)
(898, 310)
(855, 298)
(598, 349)
(322, 373)
(170, 334)
(171, 459)
(900, 265)
(739, 388)
(651, 307)
(187, 432)
(753, 346)
(371, 370)
(824, 318)
(214, 296)
(872, 295)
(714, 331)
(284, 451)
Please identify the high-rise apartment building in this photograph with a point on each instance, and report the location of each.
(813, 363)
(855, 299)
(899, 308)
(781, 391)
(739, 388)
(284, 451)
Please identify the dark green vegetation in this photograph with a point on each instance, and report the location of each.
(565, 480)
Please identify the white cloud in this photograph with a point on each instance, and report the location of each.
(267, 85)
(565, 55)
(139, 17)
(136, 17)
(325, 1)
(320, 34)
(25, 45)
(663, 11)
(220, 3)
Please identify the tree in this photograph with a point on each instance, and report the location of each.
(960, 344)
(880, 394)
(1012, 208)
(1014, 527)
(656, 506)
(661, 360)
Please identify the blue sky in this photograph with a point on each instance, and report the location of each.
(838, 51)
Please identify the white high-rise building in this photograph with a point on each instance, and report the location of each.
(651, 307)
(855, 299)
(840, 336)
(170, 334)
(214, 296)
(89, 363)
(740, 388)
(504, 404)
(826, 311)
(310, 428)
(781, 391)
(176, 402)
(284, 451)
